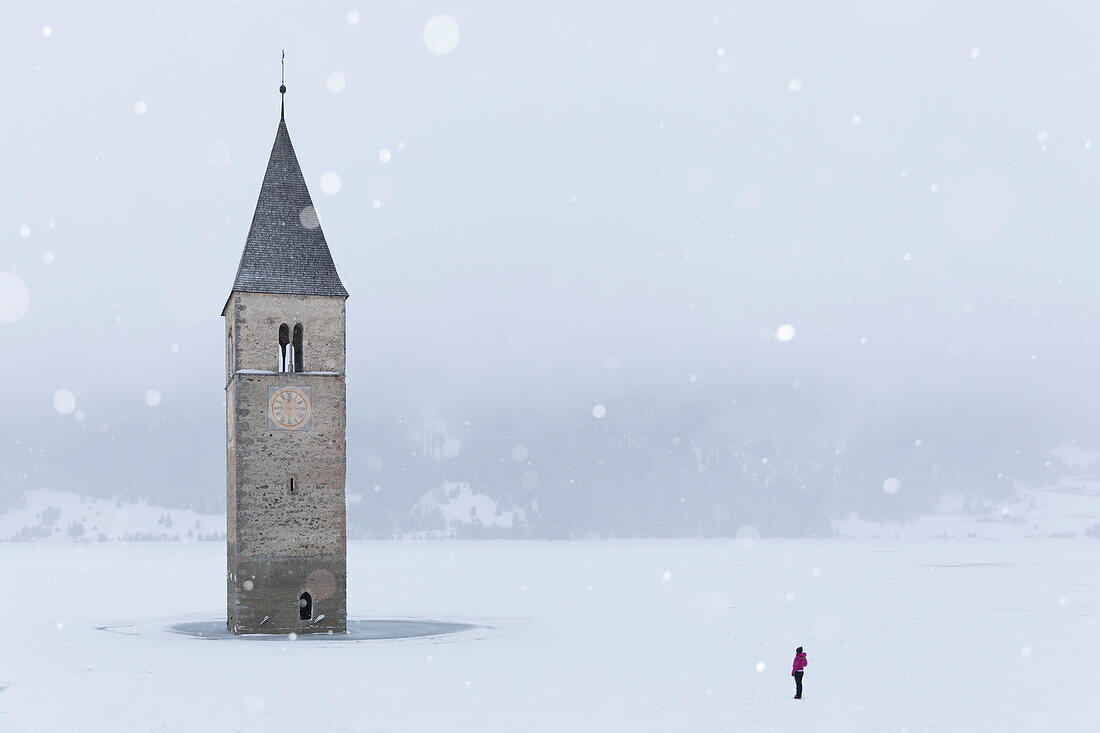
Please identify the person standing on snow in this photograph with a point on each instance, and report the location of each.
(796, 671)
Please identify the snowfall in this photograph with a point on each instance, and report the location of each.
(632, 635)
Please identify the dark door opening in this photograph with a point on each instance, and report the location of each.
(305, 607)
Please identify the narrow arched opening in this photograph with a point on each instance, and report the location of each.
(284, 353)
(305, 606)
(299, 357)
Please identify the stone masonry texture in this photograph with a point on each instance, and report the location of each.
(283, 541)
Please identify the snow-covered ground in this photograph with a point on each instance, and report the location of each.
(951, 634)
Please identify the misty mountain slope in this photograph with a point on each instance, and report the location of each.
(690, 462)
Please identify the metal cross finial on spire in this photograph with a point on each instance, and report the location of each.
(282, 88)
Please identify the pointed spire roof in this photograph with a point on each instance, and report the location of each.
(286, 251)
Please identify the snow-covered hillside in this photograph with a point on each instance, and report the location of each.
(49, 515)
(1069, 509)
(455, 509)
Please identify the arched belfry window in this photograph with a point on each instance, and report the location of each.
(284, 350)
(305, 606)
(299, 361)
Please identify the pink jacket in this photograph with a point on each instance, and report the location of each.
(799, 663)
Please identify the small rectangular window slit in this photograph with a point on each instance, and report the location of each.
(293, 484)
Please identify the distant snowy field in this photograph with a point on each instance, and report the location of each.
(916, 635)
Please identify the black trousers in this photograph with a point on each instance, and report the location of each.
(798, 684)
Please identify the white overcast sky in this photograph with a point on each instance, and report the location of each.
(911, 185)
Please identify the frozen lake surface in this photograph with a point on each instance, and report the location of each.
(696, 635)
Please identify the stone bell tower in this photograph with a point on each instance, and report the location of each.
(286, 417)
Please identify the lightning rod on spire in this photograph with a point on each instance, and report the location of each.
(282, 87)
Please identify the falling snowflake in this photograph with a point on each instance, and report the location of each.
(330, 183)
(308, 217)
(64, 401)
(441, 34)
(599, 411)
(15, 297)
(784, 332)
(794, 85)
(519, 453)
(353, 17)
(336, 82)
(891, 485)
(152, 398)
(218, 154)
(384, 155)
(747, 535)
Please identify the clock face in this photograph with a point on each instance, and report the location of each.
(288, 407)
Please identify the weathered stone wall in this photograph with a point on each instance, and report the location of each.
(267, 589)
(270, 519)
(278, 538)
(283, 542)
(253, 321)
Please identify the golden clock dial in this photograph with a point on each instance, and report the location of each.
(289, 408)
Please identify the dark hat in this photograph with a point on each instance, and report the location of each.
(798, 650)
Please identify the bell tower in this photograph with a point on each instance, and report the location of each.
(286, 416)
